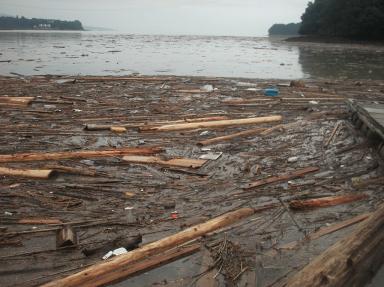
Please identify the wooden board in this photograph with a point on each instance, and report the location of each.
(179, 162)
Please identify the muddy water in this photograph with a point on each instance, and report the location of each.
(91, 53)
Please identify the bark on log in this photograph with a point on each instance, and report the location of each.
(325, 201)
(78, 154)
(179, 162)
(247, 133)
(283, 177)
(213, 124)
(351, 261)
(32, 173)
(118, 268)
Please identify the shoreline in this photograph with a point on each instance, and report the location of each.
(332, 40)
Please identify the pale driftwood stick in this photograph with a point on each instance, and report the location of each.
(32, 173)
(77, 154)
(96, 127)
(213, 124)
(351, 261)
(178, 162)
(118, 268)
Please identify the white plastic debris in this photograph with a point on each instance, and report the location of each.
(116, 252)
(211, 155)
(314, 102)
(293, 159)
(205, 149)
(253, 89)
(246, 84)
(204, 133)
(8, 213)
(207, 88)
(49, 107)
(77, 110)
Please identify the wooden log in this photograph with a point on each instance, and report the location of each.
(178, 162)
(118, 129)
(32, 173)
(247, 133)
(326, 201)
(283, 177)
(213, 124)
(18, 157)
(96, 127)
(38, 221)
(110, 79)
(118, 268)
(352, 261)
(66, 236)
(15, 101)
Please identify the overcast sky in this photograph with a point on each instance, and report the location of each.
(187, 17)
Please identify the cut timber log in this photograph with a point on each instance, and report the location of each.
(247, 133)
(119, 267)
(15, 101)
(32, 173)
(96, 127)
(179, 162)
(213, 124)
(78, 154)
(118, 130)
(351, 261)
(326, 201)
(283, 177)
(66, 237)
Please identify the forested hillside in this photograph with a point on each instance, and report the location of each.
(356, 19)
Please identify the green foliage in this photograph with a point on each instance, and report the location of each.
(22, 23)
(355, 19)
(284, 29)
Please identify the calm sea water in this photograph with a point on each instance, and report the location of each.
(92, 53)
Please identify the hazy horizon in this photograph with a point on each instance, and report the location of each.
(166, 17)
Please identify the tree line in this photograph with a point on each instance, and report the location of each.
(22, 23)
(353, 19)
(356, 19)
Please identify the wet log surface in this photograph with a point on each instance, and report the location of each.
(106, 198)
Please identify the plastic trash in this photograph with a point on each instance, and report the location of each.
(293, 159)
(116, 252)
(174, 215)
(211, 155)
(271, 92)
(207, 88)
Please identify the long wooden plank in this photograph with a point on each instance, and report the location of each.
(283, 177)
(117, 268)
(326, 201)
(213, 124)
(352, 261)
(18, 157)
(178, 162)
(32, 173)
(96, 127)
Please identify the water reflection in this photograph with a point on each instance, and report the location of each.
(342, 63)
(121, 54)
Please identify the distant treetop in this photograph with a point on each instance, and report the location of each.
(22, 23)
(285, 29)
